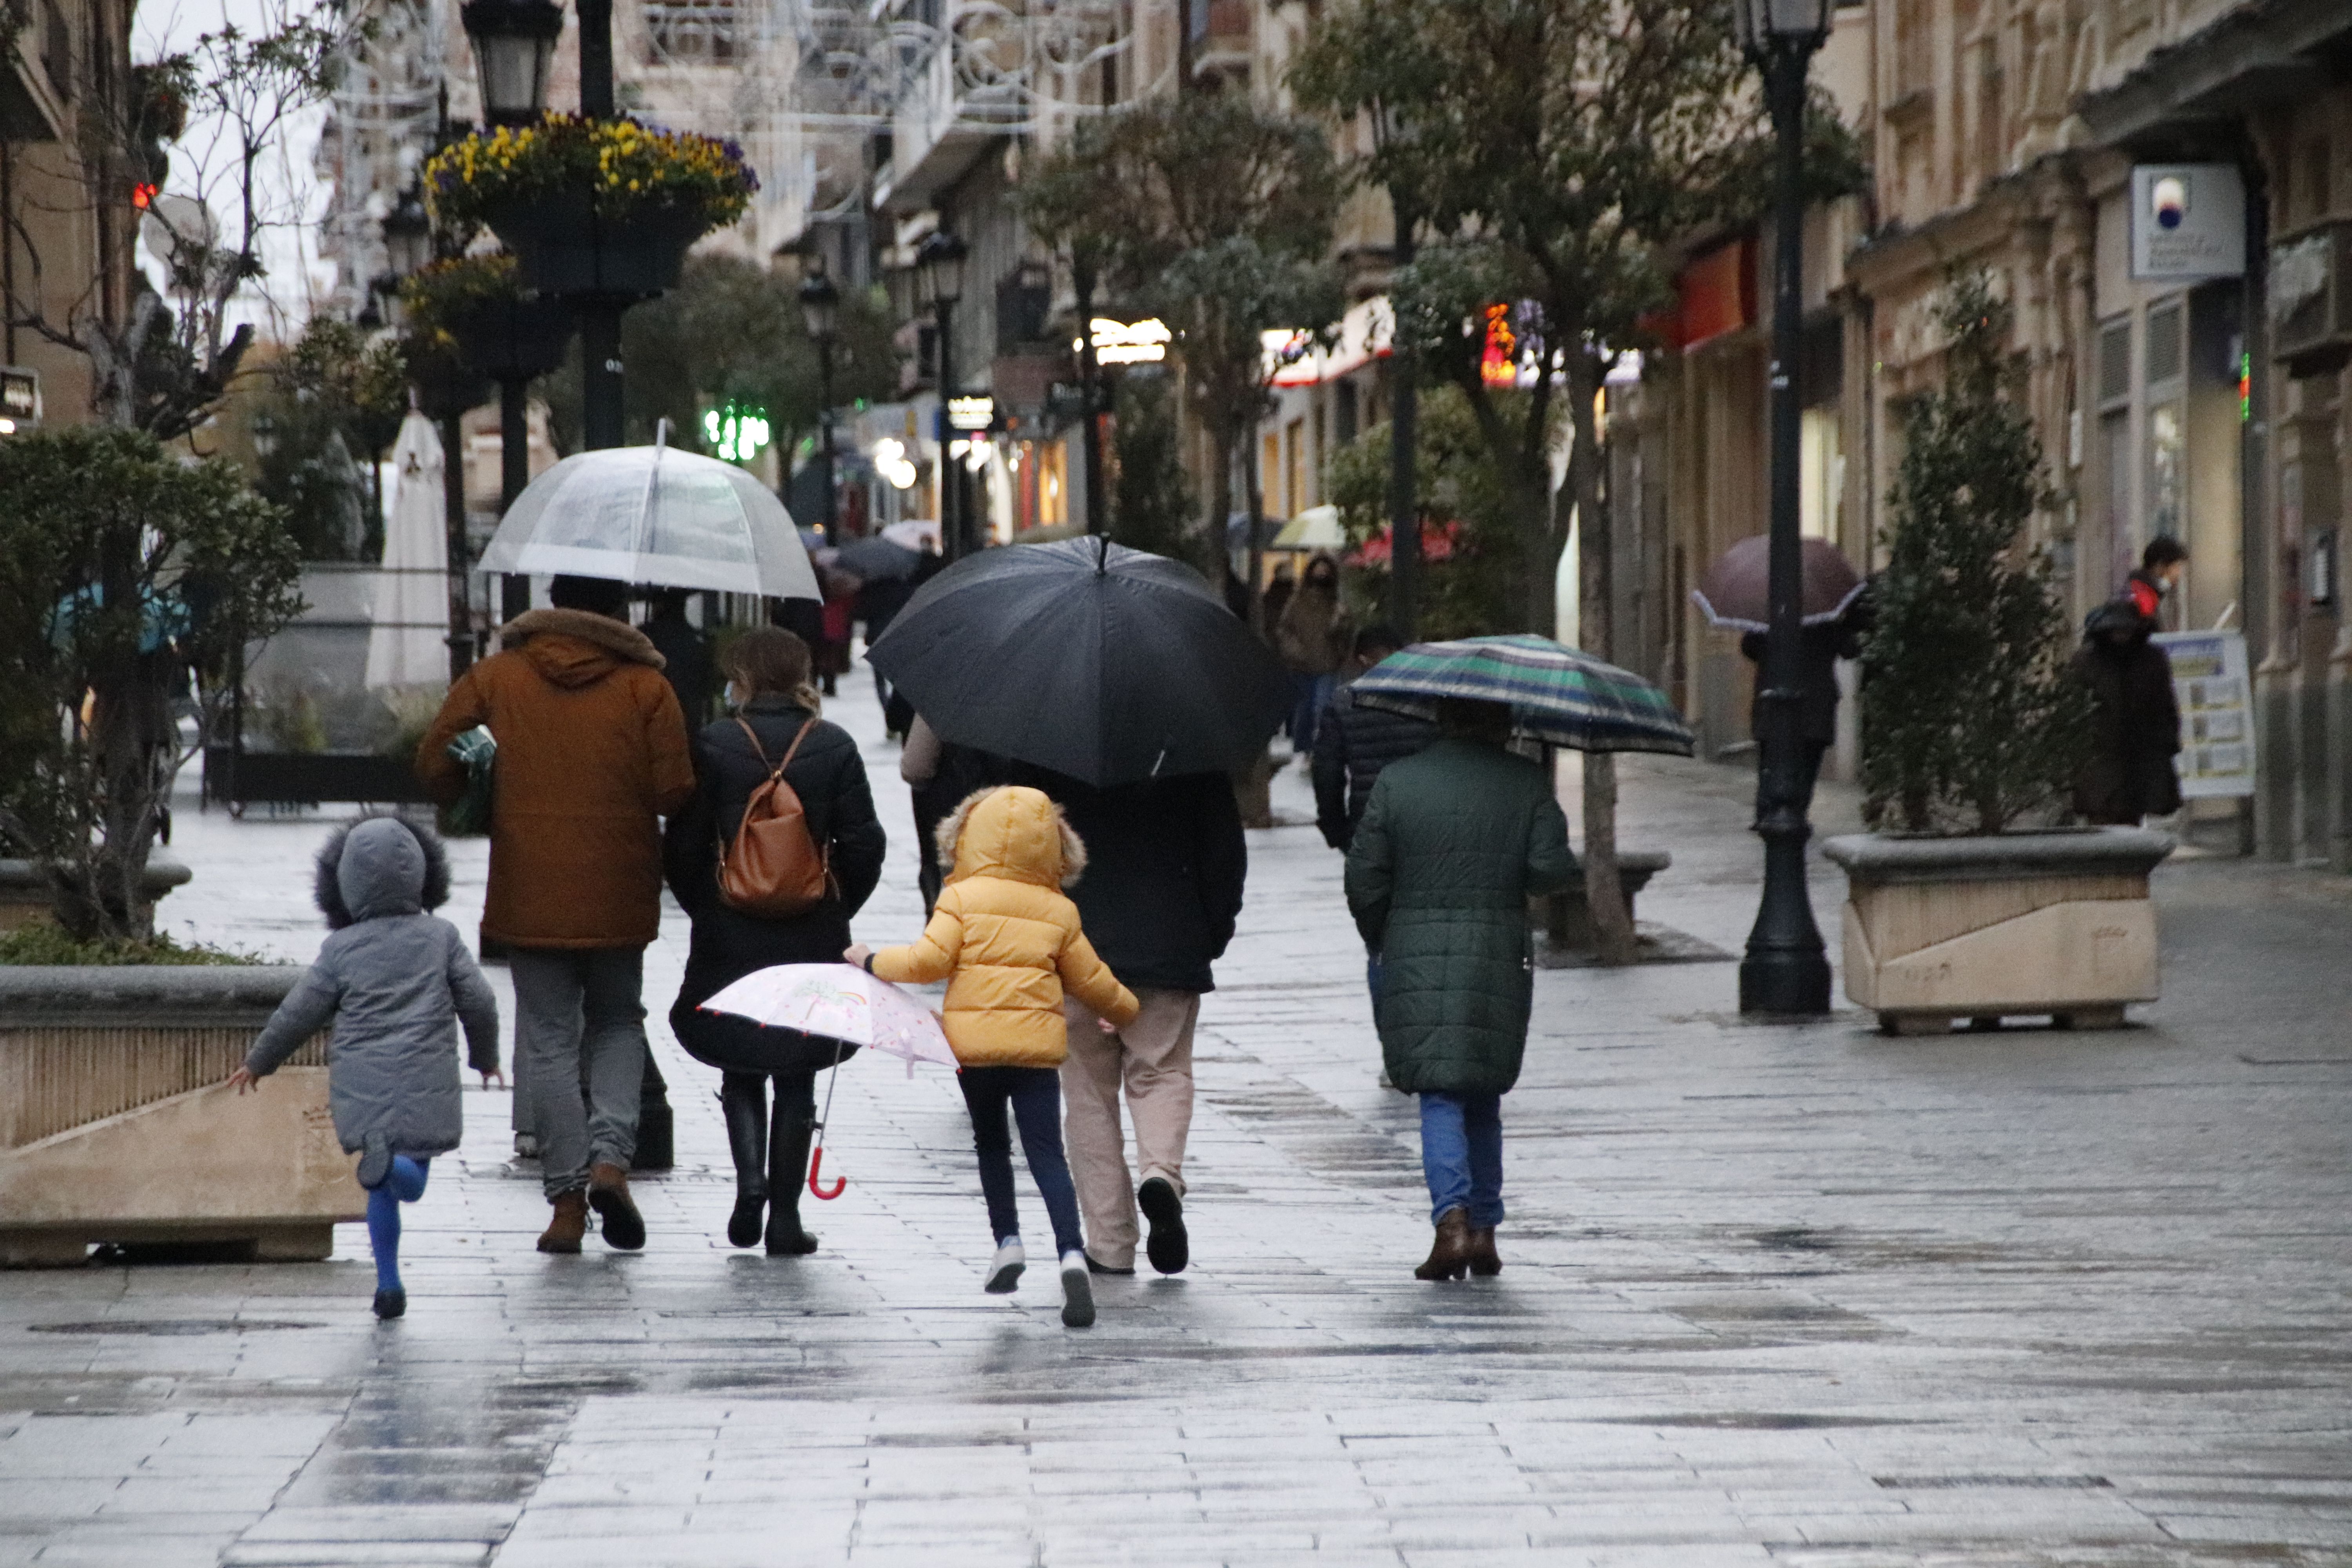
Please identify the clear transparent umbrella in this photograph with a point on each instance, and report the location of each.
(655, 514)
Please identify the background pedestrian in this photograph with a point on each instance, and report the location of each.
(1011, 946)
(1354, 742)
(2160, 566)
(394, 981)
(1455, 841)
(1312, 638)
(1819, 648)
(592, 753)
(685, 648)
(2134, 721)
(767, 671)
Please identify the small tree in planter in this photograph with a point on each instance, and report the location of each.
(1970, 721)
(1973, 727)
(127, 580)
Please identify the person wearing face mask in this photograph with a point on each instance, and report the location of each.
(2160, 565)
(774, 723)
(1312, 637)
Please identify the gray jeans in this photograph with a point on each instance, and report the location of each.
(579, 1009)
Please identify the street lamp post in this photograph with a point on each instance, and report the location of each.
(938, 278)
(820, 313)
(1786, 970)
(1392, 129)
(1082, 278)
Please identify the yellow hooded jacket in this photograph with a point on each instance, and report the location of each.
(1004, 939)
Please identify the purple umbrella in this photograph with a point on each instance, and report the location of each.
(1737, 590)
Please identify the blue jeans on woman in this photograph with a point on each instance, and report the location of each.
(1461, 1155)
(1034, 1095)
(1311, 695)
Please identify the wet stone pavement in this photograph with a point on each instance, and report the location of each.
(1799, 1294)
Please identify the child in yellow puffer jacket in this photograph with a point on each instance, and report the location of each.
(1009, 944)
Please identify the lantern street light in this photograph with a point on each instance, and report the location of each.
(514, 40)
(1392, 132)
(820, 313)
(938, 283)
(1786, 970)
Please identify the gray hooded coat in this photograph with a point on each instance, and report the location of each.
(394, 980)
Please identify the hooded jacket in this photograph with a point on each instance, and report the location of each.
(592, 753)
(1004, 938)
(394, 982)
(2129, 772)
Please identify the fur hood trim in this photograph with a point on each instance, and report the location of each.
(326, 882)
(950, 834)
(618, 638)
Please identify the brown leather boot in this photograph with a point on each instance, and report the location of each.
(570, 1223)
(1449, 1254)
(1483, 1261)
(608, 1194)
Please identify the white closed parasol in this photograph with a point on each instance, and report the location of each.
(657, 515)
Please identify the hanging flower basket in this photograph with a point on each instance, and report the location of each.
(515, 338)
(472, 309)
(600, 208)
(445, 387)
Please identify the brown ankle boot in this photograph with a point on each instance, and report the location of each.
(1483, 1261)
(1449, 1254)
(570, 1223)
(608, 1194)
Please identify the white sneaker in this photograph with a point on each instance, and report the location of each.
(1077, 1292)
(1004, 1269)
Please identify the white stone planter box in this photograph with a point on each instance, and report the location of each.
(2055, 923)
(114, 1125)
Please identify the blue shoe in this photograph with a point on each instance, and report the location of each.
(375, 1162)
(392, 1303)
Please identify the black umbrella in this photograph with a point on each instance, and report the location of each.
(1103, 663)
(876, 559)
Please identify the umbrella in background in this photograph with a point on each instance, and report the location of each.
(1103, 663)
(874, 560)
(1556, 694)
(653, 514)
(1737, 590)
(918, 534)
(1317, 528)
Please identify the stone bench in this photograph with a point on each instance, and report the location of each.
(1566, 918)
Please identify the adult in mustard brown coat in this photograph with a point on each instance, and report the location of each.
(592, 753)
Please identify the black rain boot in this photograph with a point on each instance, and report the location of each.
(788, 1153)
(656, 1127)
(743, 1101)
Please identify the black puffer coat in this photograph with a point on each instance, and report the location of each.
(829, 776)
(1165, 863)
(1352, 744)
(2135, 725)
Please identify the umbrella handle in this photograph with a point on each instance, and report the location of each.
(816, 1188)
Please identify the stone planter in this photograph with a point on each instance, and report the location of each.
(25, 895)
(115, 1125)
(513, 339)
(561, 245)
(2022, 923)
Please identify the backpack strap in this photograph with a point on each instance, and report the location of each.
(760, 752)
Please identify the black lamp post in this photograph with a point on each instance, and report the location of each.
(514, 40)
(1786, 970)
(1391, 130)
(820, 313)
(1091, 390)
(938, 283)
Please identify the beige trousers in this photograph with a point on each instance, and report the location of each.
(1153, 1058)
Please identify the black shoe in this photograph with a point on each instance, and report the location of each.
(375, 1162)
(392, 1303)
(1166, 1244)
(1095, 1266)
(788, 1152)
(743, 1225)
(743, 1101)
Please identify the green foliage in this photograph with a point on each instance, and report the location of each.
(732, 331)
(127, 580)
(44, 943)
(1475, 590)
(625, 168)
(334, 403)
(1970, 720)
(1151, 505)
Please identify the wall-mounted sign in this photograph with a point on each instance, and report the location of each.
(20, 399)
(1130, 342)
(2188, 221)
(971, 413)
(2217, 726)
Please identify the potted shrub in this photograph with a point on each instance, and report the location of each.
(603, 207)
(476, 307)
(1971, 899)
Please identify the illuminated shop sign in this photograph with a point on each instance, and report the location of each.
(1130, 342)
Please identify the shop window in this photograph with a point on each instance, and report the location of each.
(1269, 475)
(2115, 488)
(2114, 363)
(1820, 473)
(1294, 489)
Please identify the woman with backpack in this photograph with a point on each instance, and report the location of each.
(778, 848)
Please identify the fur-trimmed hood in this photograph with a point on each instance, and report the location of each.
(577, 647)
(1012, 831)
(377, 866)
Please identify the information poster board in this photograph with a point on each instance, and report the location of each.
(2216, 717)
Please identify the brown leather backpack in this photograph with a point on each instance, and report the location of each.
(773, 869)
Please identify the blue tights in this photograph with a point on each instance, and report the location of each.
(405, 1185)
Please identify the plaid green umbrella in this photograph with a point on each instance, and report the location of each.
(1556, 694)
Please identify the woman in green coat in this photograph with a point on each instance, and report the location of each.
(1455, 841)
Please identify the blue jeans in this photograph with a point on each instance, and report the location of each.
(1034, 1095)
(1313, 692)
(1461, 1155)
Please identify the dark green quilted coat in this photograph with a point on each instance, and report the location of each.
(1455, 839)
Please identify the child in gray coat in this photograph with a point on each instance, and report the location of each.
(394, 982)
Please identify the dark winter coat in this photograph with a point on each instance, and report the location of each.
(1457, 839)
(396, 983)
(829, 776)
(1165, 863)
(687, 664)
(1819, 648)
(2135, 730)
(1352, 744)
